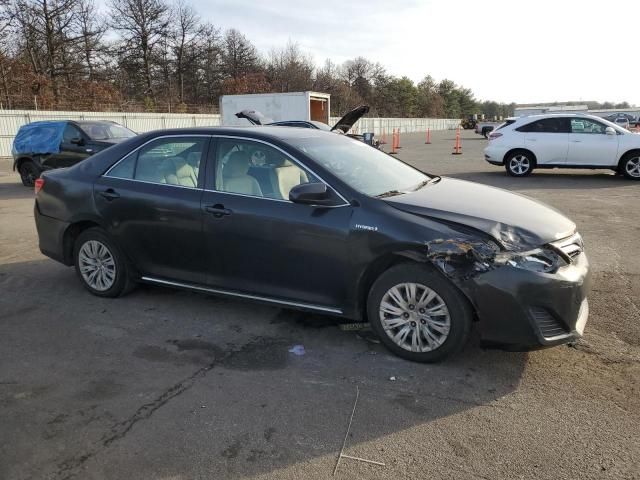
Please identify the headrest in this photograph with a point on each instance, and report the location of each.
(237, 165)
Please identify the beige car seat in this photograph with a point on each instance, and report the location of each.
(287, 175)
(235, 178)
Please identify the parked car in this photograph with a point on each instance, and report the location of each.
(343, 125)
(40, 146)
(564, 141)
(326, 225)
(485, 128)
(623, 122)
(619, 118)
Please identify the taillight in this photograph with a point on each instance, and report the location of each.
(494, 135)
(38, 185)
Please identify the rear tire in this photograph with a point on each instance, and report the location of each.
(418, 314)
(630, 165)
(29, 172)
(100, 265)
(519, 163)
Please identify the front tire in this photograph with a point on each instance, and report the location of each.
(519, 163)
(418, 314)
(630, 166)
(100, 264)
(29, 172)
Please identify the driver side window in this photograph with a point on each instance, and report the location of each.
(584, 125)
(253, 168)
(70, 132)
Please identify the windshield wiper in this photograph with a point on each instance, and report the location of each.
(424, 183)
(390, 193)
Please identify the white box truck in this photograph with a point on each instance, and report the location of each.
(277, 106)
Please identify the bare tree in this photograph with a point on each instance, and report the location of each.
(91, 27)
(185, 30)
(240, 57)
(142, 25)
(288, 69)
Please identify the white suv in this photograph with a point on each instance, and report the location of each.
(564, 141)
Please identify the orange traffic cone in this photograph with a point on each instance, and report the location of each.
(457, 150)
(398, 139)
(383, 138)
(428, 141)
(394, 137)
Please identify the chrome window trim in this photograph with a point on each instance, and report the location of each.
(211, 136)
(244, 295)
(106, 174)
(156, 183)
(295, 160)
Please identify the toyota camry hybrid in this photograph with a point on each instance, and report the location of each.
(322, 223)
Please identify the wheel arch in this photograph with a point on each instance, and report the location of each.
(20, 160)
(70, 235)
(624, 156)
(520, 149)
(384, 262)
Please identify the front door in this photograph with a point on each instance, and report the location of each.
(589, 144)
(73, 148)
(270, 246)
(150, 201)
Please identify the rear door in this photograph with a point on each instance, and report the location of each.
(590, 145)
(150, 201)
(270, 246)
(548, 139)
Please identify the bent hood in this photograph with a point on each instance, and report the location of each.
(350, 118)
(515, 220)
(254, 117)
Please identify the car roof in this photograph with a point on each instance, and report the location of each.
(265, 132)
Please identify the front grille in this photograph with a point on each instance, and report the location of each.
(549, 326)
(571, 246)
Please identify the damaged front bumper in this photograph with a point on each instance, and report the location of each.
(521, 309)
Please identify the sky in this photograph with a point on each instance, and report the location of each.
(509, 51)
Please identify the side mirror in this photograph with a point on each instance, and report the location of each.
(77, 141)
(310, 194)
(610, 131)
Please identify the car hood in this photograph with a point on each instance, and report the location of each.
(255, 117)
(350, 118)
(515, 220)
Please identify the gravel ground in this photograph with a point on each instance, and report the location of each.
(171, 385)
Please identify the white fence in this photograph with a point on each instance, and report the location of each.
(12, 120)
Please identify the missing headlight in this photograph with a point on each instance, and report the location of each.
(540, 260)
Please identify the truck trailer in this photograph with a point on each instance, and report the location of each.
(307, 106)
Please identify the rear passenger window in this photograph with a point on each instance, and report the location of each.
(172, 161)
(546, 125)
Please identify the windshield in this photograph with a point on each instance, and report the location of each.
(105, 131)
(361, 166)
(322, 126)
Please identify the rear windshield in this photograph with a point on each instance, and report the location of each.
(105, 131)
(505, 124)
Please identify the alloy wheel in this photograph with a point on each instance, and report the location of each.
(519, 164)
(632, 167)
(97, 265)
(415, 317)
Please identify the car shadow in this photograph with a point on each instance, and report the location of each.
(14, 190)
(128, 370)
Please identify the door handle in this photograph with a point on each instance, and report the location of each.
(576, 141)
(109, 194)
(217, 210)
